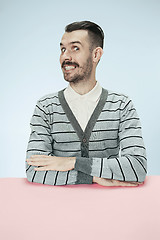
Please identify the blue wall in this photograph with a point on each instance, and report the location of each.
(31, 31)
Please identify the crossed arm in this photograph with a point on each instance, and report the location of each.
(128, 170)
(67, 163)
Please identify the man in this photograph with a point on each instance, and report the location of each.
(85, 133)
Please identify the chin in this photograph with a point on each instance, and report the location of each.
(74, 79)
(68, 80)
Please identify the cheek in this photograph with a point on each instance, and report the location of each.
(61, 60)
(79, 59)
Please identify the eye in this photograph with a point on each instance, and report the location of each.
(76, 48)
(63, 49)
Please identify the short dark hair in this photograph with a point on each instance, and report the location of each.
(95, 32)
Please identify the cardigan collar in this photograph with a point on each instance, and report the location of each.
(83, 135)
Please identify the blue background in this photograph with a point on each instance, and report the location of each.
(29, 65)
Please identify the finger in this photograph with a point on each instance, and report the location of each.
(123, 184)
(134, 183)
(115, 183)
(38, 162)
(45, 168)
(39, 156)
(138, 183)
(127, 184)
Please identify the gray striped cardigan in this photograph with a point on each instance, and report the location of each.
(110, 147)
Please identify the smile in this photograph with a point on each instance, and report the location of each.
(67, 68)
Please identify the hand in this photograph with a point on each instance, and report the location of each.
(116, 183)
(51, 162)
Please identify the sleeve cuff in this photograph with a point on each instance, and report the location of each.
(84, 165)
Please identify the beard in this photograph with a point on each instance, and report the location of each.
(83, 72)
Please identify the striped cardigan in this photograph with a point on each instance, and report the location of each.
(110, 147)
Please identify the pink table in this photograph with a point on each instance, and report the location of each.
(79, 212)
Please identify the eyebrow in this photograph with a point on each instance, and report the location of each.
(61, 44)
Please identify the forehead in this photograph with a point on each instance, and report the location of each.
(75, 36)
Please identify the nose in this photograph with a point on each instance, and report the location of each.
(67, 56)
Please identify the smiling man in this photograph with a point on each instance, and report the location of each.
(84, 133)
(82, 66)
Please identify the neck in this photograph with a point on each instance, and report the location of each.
(83, 86)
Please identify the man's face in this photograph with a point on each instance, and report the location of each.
(76, 58)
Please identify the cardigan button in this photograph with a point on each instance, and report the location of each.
(84, 140)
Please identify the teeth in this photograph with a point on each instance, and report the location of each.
(69, 67)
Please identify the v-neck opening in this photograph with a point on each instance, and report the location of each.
(93, 119)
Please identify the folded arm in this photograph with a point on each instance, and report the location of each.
(40, 144)
(131, 164)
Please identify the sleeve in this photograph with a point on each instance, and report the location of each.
(40, 143)
(131, 165)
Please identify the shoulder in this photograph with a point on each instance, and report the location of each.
(50, 103)
(49, 99)
(118, 100)
(116, 96)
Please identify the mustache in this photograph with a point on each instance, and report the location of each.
(69, 63)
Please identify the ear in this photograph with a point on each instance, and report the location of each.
(97, 54)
